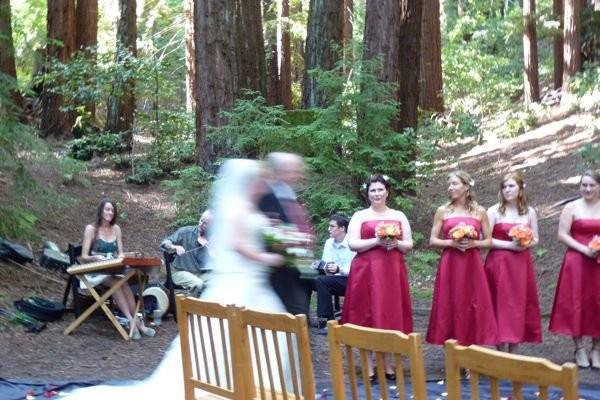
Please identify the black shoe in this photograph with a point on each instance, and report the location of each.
(390, 376)
(322, 331)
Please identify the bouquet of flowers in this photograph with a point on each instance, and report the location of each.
(388, 231)
(463, 231)
(287, 240)
(594, 244)
(521, 234)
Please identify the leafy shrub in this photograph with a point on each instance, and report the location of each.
(190, 193)
(590, 153)
(100, 144)
(423, 265)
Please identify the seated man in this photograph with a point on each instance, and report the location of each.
(337, 257)
(191, 246)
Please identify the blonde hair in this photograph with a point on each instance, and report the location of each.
(522, 201)
(470, 203)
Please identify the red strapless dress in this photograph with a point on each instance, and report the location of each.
(462, 306)
(576, 309)
(511, 277)
(377, 294)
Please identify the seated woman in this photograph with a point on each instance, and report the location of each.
(102, 241)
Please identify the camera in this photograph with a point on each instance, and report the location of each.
(319, 265)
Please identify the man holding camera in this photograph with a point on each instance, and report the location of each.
(335, 264)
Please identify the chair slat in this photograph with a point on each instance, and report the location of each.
(399, 371)
(279, 365)
(494, 388)
(517, 391)
(474, 383)
(291, 353)
(544, 392)
(383, 387)
(261, 385)
(364, 366)
(263, 336)
(351, 372)
(213, 351)
(225, 353)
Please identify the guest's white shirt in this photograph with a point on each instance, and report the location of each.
(338, 253)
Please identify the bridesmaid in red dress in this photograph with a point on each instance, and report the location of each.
(510, 270)
(576, 309)
(377, 294)
(462, 306)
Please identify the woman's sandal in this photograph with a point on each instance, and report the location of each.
(136, 335)
(581, 358)
(595, 358)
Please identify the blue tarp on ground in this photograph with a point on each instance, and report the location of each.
(19, 390)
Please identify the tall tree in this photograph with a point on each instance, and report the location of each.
(7, 50)
(572, 41)
(86, 33)
(285, 62)
(348, 27)
(190, 57)
(216, 67)
(557, 10)
(250, 46)
(61, 43)
(325, 28)
(531, 85)
(409, 51)
(272, 48)
(381, 37)
(121, 105)
(431, 85)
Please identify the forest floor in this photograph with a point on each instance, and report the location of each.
(548, 155)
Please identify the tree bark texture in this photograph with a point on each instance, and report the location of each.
(121, 105)
(272, 47)
(431, 86)
(572, 41)
(216, 67)
(325, 27)
(61, 43)
(250, 47)
(557, 10)
(381, 37)
(86, 34)
(348, 27)
(190, 57)
(7, 50)
(285, 65)
(531, 85)
(410, 56)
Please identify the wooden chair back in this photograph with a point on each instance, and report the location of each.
(279, 354)
(348, 341)
(498, 366)
(210, 348)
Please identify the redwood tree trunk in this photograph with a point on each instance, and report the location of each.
(531, 84)
(86, 28)
(431, 96)
(190, 55)
(348, 26)
(557, 8)
(216, 67)
(285, 65)
(270, 8)
(121, 106)
(250, 46)
(381, 37)
(572, 41)
(61, 42)
(7, 50)
(409, 51)
(325, 27)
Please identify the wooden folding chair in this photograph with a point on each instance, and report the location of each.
(498, 366)
(278, 351)
(211, 339)
(348, 339)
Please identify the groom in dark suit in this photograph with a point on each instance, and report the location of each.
(280, 203)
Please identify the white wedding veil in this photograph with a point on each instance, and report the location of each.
(230, 194)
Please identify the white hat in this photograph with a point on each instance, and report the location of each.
(162, 300)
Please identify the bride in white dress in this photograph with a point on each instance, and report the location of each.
(240, 275)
